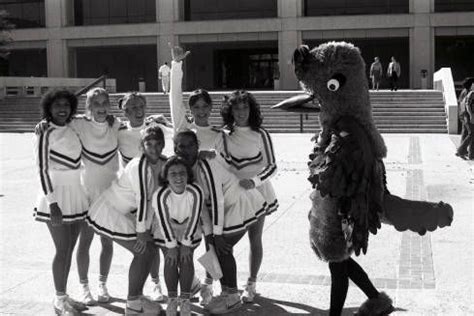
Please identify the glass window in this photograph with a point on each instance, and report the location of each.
(24, 13)
(354, 7)
(196, 10)
(454, 5)
(97, 12)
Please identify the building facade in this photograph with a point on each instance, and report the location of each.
(234, 44)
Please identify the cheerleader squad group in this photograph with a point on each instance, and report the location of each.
(100, 175)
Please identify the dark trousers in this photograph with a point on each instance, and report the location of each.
(467, 139)
(394, 81)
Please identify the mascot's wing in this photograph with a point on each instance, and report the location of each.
(347, 171)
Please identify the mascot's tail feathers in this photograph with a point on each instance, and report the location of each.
(417, 216)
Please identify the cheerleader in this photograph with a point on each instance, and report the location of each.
(63, 202)
(133, 105)
(232, 209)
(121, 214)
(100, 159)
(248, 151)
(200, 104)
(178, 208)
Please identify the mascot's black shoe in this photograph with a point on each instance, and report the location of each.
(382, 305)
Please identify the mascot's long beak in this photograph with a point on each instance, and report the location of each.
(303, 103)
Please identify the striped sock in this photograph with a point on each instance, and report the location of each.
(102, 278)
(185, 295)
(232, 290)
(172, 294)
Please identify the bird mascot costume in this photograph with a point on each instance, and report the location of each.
(350, 196)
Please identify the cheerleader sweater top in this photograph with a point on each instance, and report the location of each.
(174, 209)
(57, 149)
(99, 147)
(249, 154)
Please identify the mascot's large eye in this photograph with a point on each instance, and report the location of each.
(336, 82)
(333, 85)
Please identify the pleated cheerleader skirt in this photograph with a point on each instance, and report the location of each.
(242, 208)
(111, 221)
(266, 189)
(70, 195)
(98, 183)
(178, 230)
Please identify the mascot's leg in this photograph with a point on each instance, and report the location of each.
(339, 286)
(341, 272)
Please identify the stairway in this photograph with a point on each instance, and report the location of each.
(405, 111)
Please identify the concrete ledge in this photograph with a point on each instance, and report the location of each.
(443, 81)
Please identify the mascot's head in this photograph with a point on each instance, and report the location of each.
(334, 74)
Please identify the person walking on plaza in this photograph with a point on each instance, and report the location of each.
(376, 71)
(164, 76)
(467, 117)
(393, 73)
(63, 203)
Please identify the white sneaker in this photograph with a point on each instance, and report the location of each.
(227, 304)
(103, 296)
(250, 292)
(142, 306)
(206, 294)
(79, 306)
(195, 286)
(185, 307)
(62, 306)
(157, 294)
(86, 296)
(215, 300)
(172, 308)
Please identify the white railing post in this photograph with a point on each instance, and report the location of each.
(443, 81)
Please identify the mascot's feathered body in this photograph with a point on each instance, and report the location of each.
(351, 197)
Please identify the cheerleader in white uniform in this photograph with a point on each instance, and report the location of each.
(248, 150)
(121, 213)
(178, 209)
(133, 105)
(200, 104)
(63, 203)
(231, 209)
(100, 158)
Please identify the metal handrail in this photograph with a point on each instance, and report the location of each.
(102, 78)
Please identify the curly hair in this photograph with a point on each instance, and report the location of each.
(198, 94)
(236, 97)
(123, 101)
(174, 161)
(186, 133)
(51, 96)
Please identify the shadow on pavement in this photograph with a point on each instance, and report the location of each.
(268, 306)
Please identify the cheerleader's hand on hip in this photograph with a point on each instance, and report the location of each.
(172, 256)
(186, 254)
(247, 184)
(56, 214)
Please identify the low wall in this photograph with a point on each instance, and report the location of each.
(34, 86)
(443, 81)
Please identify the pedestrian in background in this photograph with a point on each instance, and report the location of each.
(164, 75)
(376, 71)
(467, 118)
(393, 73)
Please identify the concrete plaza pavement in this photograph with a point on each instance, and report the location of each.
(425, 275)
